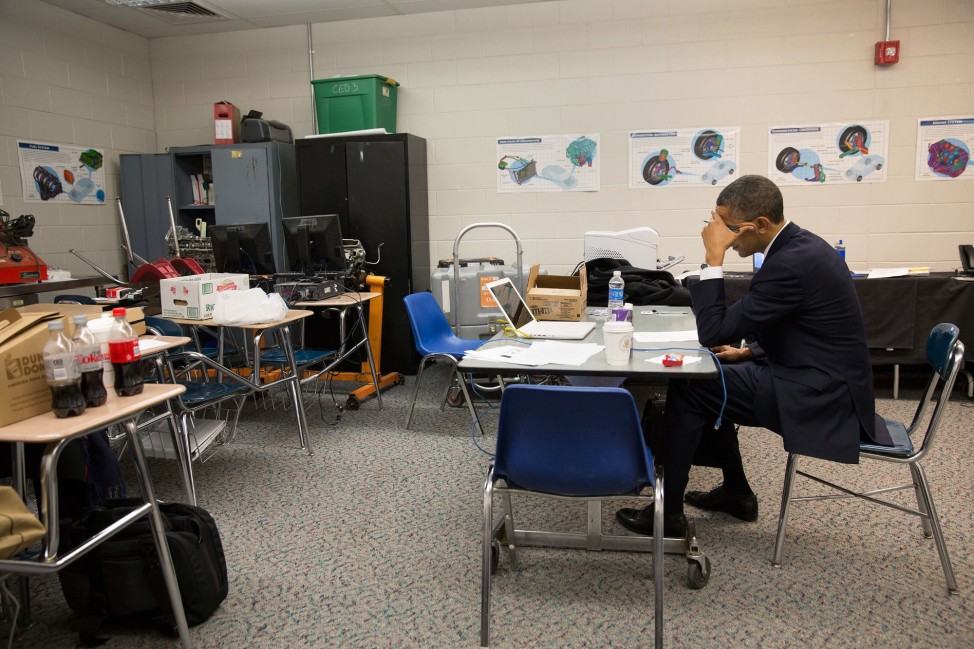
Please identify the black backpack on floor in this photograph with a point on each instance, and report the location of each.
(121, 580)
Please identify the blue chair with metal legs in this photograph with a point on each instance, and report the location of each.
(435, 341)
(945, 353)
(582, 444)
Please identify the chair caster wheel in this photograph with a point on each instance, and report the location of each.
(455, 398)
(698, 573)
(352, 403)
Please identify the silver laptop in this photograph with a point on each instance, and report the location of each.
(519, 315)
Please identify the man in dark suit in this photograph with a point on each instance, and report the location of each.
(804, 374)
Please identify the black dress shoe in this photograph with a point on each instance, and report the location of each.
(718, 500)
(640, 521)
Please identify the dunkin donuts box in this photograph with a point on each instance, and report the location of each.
(193, 297)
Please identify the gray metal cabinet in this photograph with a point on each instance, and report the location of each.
(254, 182)
(146, 181)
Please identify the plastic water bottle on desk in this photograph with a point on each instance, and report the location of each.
(123, 347)
(840, 248)
(87, 351)
(617, 287)
(61, 371)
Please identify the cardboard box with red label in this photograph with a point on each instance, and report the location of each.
(194, 296)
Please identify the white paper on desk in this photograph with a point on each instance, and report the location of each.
(687, 360)
(687, 335)
(880, 273)
(502, 354)
(539, 353)
(559, 353)
(148, 345)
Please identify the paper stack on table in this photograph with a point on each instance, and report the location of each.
(688, 335)
(880, 273)
(539, 353)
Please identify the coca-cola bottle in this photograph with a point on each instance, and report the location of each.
(123, 348)
(87, 352)
(62, 373)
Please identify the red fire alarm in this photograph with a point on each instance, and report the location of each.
(887, 52)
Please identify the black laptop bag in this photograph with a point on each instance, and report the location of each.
(121, 580)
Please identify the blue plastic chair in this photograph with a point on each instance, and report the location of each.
(568, 442)
(434, 340)
(945, 353)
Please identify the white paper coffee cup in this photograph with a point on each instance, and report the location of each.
(618, 342)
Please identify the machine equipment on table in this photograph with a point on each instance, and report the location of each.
(18, 263)
(638, 246)
(324, 265)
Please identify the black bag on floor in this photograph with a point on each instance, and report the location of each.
(122, 578)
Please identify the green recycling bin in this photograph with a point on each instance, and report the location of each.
(355, 103)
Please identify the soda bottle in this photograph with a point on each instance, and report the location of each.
(88, 355)
(62, 373)
(840, 248)
(123, 348)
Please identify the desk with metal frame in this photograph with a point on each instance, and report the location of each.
(289, 376)
(56, 433)
(342, 303)
(180, 435)
(645, 319)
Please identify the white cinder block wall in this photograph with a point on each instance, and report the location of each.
(573, 66)
(67, 79)
(609, 66)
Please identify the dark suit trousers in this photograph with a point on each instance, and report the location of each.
(692, 408)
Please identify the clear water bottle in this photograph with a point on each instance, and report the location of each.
(61, 371)
(840, 248)
(617, 288)
(87, 351)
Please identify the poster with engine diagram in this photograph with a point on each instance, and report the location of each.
(548, 163)
(687, 157)
(838, 152)
(61, 173)
(944, 148)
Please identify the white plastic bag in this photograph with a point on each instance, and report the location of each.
(239, 308)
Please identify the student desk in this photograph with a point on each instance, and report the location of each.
(646, 318)
(48, 429)
(290, 377)
(343, 303)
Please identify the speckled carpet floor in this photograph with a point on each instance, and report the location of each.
(374, 542)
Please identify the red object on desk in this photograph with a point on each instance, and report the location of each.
(673, 360)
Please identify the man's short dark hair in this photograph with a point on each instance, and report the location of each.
(752, 196)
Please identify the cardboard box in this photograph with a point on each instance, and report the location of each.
(23, 387)
(226, 123)
(192, 297)
(133, 314)
(557, 297)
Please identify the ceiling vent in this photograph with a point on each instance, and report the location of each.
(173, 11)
(183, 13)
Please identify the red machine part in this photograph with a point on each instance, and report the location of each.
(19, 264)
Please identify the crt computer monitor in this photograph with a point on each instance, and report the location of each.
(243, 248)
(314, 243)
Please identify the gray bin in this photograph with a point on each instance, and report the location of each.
(476, 315)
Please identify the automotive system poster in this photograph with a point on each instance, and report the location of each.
(838, 152)
(61, 173)
(688, 157)
(548, 163)
(944, 148)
